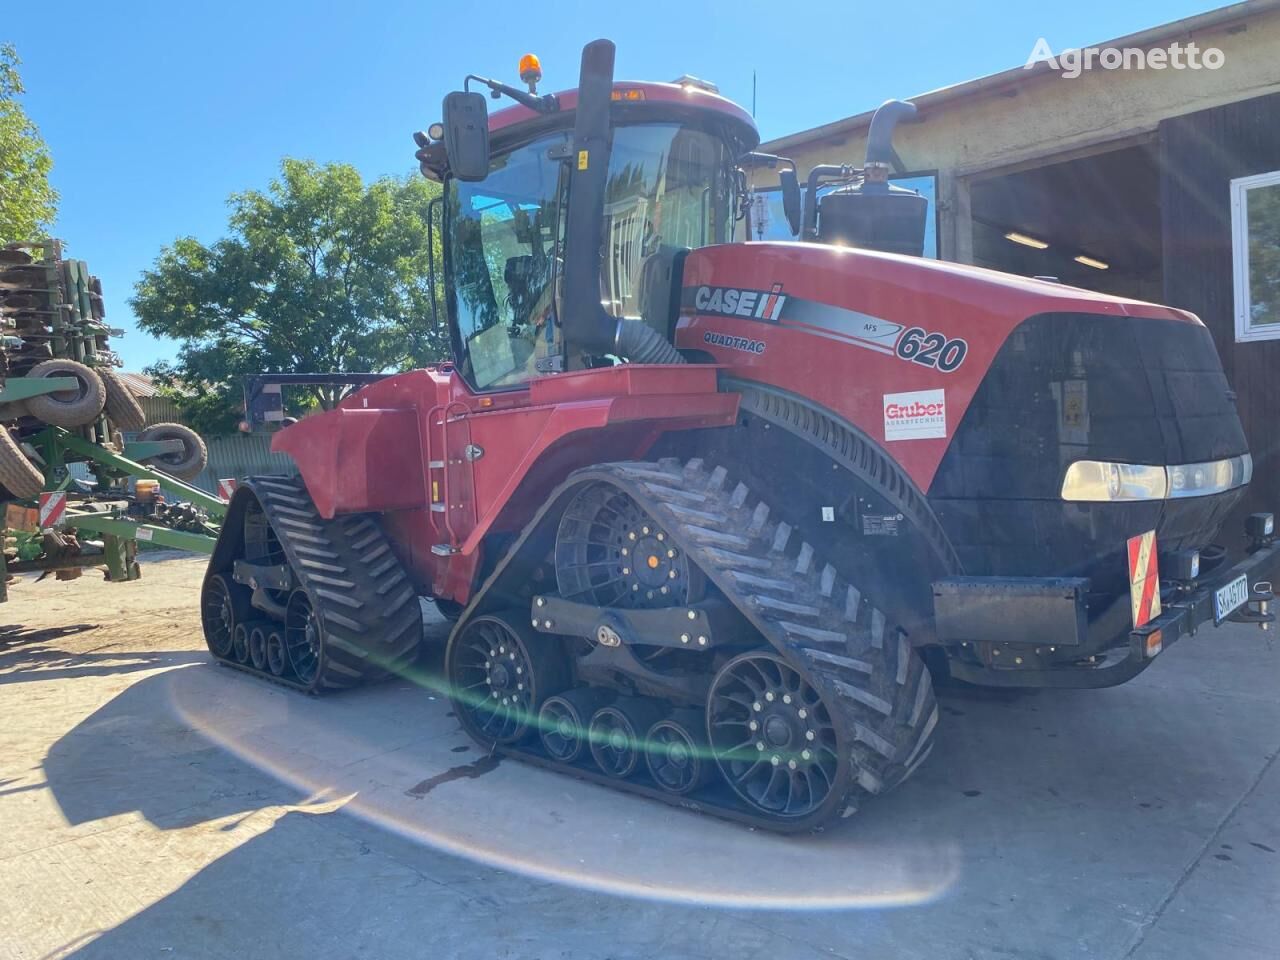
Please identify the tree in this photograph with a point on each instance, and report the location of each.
(321, 273)
(27, 202)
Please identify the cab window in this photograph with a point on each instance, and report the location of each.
(669, 189)
(502, 238)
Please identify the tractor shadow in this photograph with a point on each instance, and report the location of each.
(35, 655)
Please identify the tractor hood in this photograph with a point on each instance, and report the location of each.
(882, 339)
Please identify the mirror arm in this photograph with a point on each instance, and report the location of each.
(547, 103)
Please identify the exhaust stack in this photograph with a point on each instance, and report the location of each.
(869, 212)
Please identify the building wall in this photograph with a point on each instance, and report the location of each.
(242, 455)
(1200, 154)
(1039, 115)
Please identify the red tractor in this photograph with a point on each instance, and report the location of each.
(712, 517)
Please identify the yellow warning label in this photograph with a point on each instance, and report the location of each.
(582, 159)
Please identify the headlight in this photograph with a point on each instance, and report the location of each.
(1096, 481)
(1093, 480)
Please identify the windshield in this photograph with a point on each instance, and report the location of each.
(668, 190)
(502, 236)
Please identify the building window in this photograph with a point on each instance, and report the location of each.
(1255, 252)
(767, 221)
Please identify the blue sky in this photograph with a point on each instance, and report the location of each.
(157, 111)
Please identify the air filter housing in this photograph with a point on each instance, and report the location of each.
(874, 216)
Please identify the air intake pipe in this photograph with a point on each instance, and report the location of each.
(880, 136)
(589, 328)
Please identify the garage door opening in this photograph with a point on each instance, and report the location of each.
(1091, 222)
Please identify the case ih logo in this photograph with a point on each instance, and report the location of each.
(732, 302)
(919, 415)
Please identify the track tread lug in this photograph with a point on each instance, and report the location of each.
(827, 582)
(781, 536)
(766, 602)
(835, 660)
(804, 560)
(815, 634)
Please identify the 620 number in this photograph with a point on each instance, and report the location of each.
(931, 349)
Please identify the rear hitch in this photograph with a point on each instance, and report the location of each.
(1258, 607)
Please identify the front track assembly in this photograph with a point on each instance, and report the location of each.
(311, 603)
(758, 686)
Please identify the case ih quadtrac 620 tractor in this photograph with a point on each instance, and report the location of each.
(711, 516)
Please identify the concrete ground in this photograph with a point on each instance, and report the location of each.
(153, 804)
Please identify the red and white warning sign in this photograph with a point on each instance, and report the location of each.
(226, 488)
(52, 506)
(1144, 578)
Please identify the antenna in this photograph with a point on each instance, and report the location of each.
(753, 94)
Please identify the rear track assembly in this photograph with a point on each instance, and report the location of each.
(339, 608)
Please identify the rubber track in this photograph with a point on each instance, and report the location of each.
(877, 687)
(367, 604)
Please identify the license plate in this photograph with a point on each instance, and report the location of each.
(1228, 599)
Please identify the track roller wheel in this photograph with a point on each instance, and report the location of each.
(258, 646)
(499, 674)
(303, 637)
(773, 737)
(563, 721)
(678, 757)
(277, 659)
(224, 604)
(240, 643)
(617, 735)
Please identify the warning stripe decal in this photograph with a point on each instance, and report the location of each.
(1144, 578)
(52, 506)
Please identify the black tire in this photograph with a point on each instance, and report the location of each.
(122, 406)
(564, 719)
(224, 605)
(68, 408)
(277, 659)
(240, 643)
(186, 465)
(678, 755)
(258, 644)
(499, 673)
(18, 474)
(617, 735)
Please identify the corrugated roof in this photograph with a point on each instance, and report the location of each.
(139, 384)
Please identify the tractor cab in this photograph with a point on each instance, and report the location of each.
(566, 216)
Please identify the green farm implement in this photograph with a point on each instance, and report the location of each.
(62, 404)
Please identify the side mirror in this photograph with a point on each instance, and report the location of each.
(466, 135)
(791, 198)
